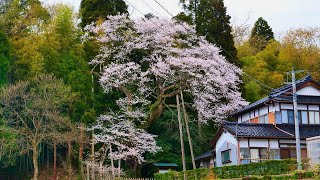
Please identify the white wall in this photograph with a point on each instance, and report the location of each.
(290, 106)
(258, 143)
(244, 143)
(309, 90)
(313, 107)
(274, 143)
(227, 142)
(226, 136)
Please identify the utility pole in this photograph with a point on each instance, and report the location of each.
(296, 121)
(181, 138)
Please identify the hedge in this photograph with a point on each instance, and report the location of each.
(196, 174)
(272, 167)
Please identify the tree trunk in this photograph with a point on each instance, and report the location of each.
(54, 160)
(92, 156)
(35, 160)
(119, 168)
(88, 171)
(186, 120)
(199, 129)
(69, 159)
(81, 151)
(112, 165)
(181, 139)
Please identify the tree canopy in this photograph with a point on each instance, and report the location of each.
(212, 21)
(261, 33)
(93, 10)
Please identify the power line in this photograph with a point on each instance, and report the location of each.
(220, 47)
(163, 8)
(150, 7)
(262, 84)
(148, 19)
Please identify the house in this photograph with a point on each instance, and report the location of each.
(265, 129)
(205, 160)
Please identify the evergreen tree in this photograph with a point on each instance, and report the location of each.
(261, 33)
(212, 21)
(92, 10)
(4, 57)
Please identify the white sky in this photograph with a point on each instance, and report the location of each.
(280, 14)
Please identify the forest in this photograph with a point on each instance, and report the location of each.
(99, 94)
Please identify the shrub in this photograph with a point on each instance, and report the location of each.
(196, 174)
(165, 176)
(272, 167)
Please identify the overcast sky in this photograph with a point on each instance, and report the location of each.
(280, 14)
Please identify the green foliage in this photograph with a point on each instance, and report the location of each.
(261, 34)
(263, 66)
(165, 176)
(4, 57)
(272, 167)
(184, 18)
(196, 174)
(211, 20)
(169, 140)
(93, 10)
(9, 148)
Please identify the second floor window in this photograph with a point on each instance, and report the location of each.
(263, 119)
(304, 117)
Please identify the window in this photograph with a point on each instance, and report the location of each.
(263, 119)
(284, 116)
(311, 117)
(316, 118)
(274, 154)
(304, 116)
(278, 117)
(245, 155)
(290, 116)
(225, 156)
(287, 116)
(254, 153)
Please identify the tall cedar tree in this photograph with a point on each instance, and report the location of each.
(212, 21)
(92, 10)
(261, 33)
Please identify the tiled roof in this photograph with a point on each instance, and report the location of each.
(277, 95)
(300, 99)
(288, 87)
(205, 155)
(252, 105)
(270, 130)
(254, 130)
(306, 131)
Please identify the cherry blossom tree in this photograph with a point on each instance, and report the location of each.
(122, 139)
(151, 60)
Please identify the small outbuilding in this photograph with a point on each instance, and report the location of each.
(205, 160)
(165, 167)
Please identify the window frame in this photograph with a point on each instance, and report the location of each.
(222, 159)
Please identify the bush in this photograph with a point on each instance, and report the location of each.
(165, 176)
(196, 174)
(272, 167)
